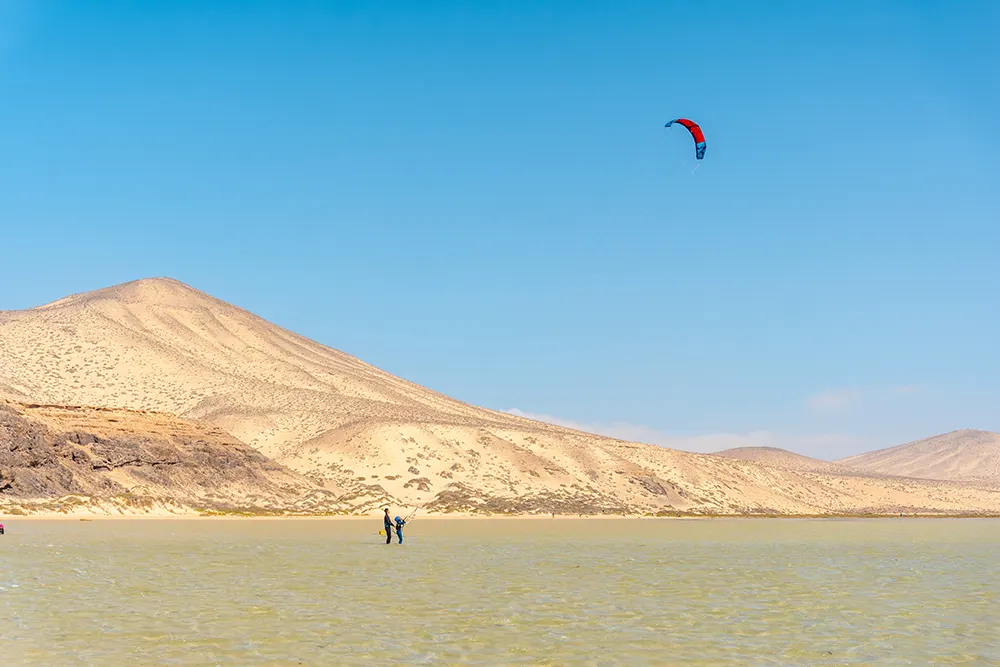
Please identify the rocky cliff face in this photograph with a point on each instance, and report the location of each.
(59, 458)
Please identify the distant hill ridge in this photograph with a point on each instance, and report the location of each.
(962, 456)
(783, 458)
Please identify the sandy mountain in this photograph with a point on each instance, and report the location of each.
(966, 456)
(367, 436)
(101, 460)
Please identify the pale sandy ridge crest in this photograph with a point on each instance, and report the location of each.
(370, 437)
(782, 458)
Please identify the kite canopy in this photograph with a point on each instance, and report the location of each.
(699, 138)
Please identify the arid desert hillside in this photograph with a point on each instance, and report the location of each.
(367, 436)
(961, 456)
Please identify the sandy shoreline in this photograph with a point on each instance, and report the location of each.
(371, 517)
(437, 517)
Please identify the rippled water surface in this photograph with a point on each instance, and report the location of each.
(501, 592)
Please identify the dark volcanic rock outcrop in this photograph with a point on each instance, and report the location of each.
(63, 456)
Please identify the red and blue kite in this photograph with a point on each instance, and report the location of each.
(699, 138)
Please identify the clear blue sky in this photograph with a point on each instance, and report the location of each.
(481, 197)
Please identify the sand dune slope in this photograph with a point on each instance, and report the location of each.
(964, 456)
(370, 437)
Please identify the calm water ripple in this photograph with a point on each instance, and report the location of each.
(501, 592)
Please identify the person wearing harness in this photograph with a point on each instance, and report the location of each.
(399, 528)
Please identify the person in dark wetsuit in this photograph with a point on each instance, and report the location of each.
(399, 528)
(388, 526)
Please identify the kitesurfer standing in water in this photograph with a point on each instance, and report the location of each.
(388, 526)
